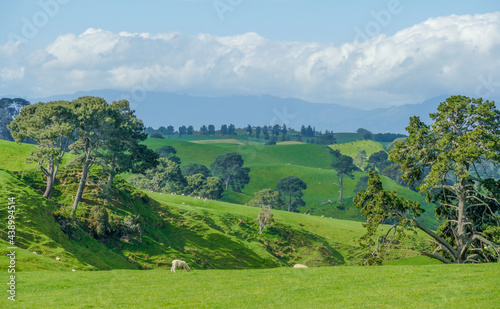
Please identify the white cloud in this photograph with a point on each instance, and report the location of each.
(441, 55)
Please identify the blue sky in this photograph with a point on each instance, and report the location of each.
(370, 53)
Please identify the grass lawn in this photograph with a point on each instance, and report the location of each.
(449, 286)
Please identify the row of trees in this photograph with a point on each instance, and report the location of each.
(105, 134)
(193, 178)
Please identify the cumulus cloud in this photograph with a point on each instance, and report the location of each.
(451, 54)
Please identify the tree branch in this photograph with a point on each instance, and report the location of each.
(437, 257)
(440, 240)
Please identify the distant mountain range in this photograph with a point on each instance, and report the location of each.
(162, 109)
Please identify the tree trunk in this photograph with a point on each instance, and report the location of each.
(341, 188)
(48, 188)
(111, 176)
(81, 186)
(51, 174)
(290, 203)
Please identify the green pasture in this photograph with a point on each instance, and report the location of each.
(431, 286)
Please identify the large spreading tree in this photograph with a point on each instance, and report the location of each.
(51, 126)
(449, 159)
(122, 152)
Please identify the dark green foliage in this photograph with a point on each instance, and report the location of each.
(193, 168)
(327, 138)
(52, 126)
(377, 206)
(9, 108)
(378, 161)
(98, 221)
(344, 167)
(229, 168)
(291, 189)
(156, 135)
(362, 184)
(166, 177)
(268, 197)
(271, 143)
(168, 152)
(223, 129)
(464, 136)
(386, 137)
(202, 186)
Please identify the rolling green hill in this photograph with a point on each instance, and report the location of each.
(309, 162)
(210, 234)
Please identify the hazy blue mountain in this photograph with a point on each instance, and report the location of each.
(163, 109)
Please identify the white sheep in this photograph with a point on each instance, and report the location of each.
(178, 264)
(299, 266)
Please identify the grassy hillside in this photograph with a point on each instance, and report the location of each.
(37, 231)
(309, 162)
(352, 149)
(13, 155)
(443, 286)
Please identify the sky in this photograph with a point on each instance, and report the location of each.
(362, 53)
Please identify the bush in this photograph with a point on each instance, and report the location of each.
(99, 224)
(156, 135)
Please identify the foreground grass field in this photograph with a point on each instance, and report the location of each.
(448, 286)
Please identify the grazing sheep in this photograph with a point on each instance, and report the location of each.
(58, 258)
(178, 264)
(299, 266)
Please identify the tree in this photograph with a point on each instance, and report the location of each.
(229, 168)
(95, 123)
(162, 130)
(231, 130)
(170, 130)
(377, 206)
(463, 138)
(122, 152)
(211, 129)
(51, 125)
(267, 197)
(328, 138)
(344, 167)
(157, 135)
(190, 130)
(378, 161)
(276, 129)
(208, 187)
(249, 130)
(309, 131)
(291, 189)
(168, 152)
(223, 129)
(203, 130)
(193, 168)
(258, 130)
(284, 130)
(265, 218)
(9, 108)
(166, 177)
(182, 130)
